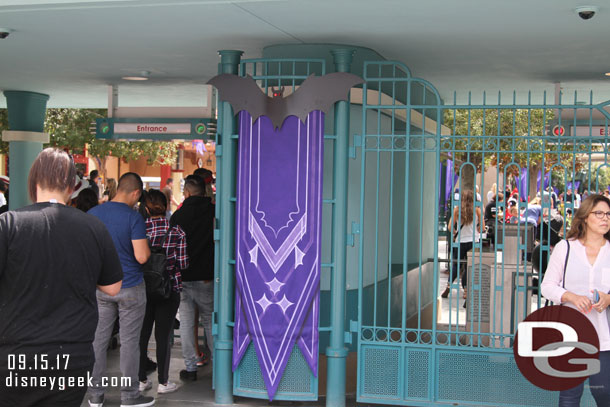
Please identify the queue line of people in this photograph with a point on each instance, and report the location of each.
(103, 278)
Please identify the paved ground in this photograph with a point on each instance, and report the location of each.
(189, 394)
(200, 393)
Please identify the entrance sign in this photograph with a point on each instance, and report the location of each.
(152, 128)
(586, 131)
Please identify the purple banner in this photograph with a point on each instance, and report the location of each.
(546, 180)
(278, 238)
(450, 180)
(523, 185)
(573, 186)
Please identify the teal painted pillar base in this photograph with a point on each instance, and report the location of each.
(26, 113)
(226, 161)
(336, 353)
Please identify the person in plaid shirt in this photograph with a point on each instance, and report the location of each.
(163, 312)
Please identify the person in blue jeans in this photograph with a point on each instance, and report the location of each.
(162, 312)
(196, 218)
(53, 260)
(128, 231)
(577, 267)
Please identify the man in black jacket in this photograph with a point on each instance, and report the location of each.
(196, 218)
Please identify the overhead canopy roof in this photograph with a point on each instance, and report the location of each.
(72, 50)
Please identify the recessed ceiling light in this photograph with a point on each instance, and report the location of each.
(135, 78)
(144, 75)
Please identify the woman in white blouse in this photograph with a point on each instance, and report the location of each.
(587, 270)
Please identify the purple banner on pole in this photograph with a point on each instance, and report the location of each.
(278, 239)
(545, 185)
(523, 185)
(450, 180)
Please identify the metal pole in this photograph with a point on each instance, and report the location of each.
(336, 353)
(225, 214)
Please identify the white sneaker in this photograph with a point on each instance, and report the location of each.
(167, 388)
(146, 385)
(96, 401)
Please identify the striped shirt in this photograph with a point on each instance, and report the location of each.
(175, 247)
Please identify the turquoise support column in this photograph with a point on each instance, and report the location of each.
(225, 213)
(336, 353)
(26, 114)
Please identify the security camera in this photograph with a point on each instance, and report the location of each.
(586, 12)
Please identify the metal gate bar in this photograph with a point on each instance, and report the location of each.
(415, 347)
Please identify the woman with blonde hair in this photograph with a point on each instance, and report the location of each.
(110, 190)
(465, 224)
(577, 276)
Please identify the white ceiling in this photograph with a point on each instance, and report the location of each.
(72, 50)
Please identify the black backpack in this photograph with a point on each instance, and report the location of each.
(156, 277)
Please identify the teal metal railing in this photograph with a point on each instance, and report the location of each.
(414, 346)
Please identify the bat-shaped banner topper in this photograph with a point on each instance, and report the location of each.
(315, 93)
(278, 219)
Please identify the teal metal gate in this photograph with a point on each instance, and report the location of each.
(298, 382)
(414, 346)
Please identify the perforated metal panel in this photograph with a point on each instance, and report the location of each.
(491, 379)
(418, 367)
(486, 378)
(381, 372)
(298, 383)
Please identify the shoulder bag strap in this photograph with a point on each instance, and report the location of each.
(457, 232)
(565, 267)
(169, 228)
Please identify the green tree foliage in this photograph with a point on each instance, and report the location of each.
(70, 128)
(600, 177)
(509, 138)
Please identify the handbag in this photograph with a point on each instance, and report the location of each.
(156, 277)
(457, 232)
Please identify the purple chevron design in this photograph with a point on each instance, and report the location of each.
(278, 238)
